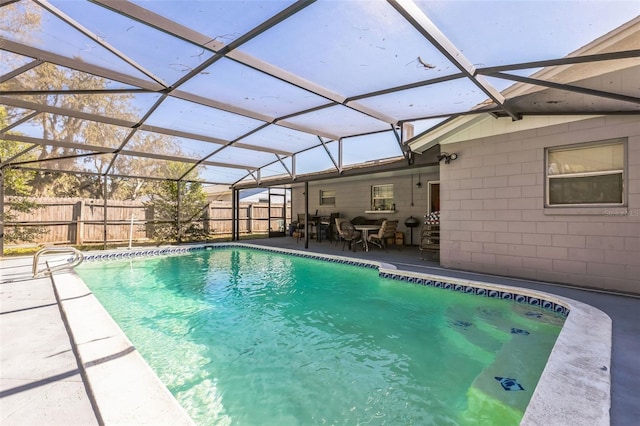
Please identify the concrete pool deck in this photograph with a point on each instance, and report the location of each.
(41, 383)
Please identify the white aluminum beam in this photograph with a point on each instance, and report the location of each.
(414, 15)
(55, 11)
(74, 64)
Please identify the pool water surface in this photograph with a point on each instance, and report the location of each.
(243, 336)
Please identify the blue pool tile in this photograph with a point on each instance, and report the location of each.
(521, 299)
(509, 384)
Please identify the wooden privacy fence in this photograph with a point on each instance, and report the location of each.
(253, 218)
(81, 221)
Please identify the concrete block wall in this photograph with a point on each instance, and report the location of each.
(493, 218)
(353, 197)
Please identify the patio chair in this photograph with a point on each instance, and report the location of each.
(349, 234)
(301, 227)
(339, 233)
(328, 224)
(387, 231)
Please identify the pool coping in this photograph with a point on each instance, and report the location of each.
(123, 387)
(574, 387)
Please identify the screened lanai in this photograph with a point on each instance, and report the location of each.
(264, 93)
(281, 94)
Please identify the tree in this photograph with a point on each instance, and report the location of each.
(65, 136)
(17, 186)
(68, 131)
(71, 130)
(68, 134)
(168, 224)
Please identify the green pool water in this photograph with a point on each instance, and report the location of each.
(249, 337)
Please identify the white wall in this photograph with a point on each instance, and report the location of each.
(494, 221)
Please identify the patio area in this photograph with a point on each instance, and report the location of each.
(41, 382)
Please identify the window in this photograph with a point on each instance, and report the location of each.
(587, 174)
(382, 197)
(328, 197)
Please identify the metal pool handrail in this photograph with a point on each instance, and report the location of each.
(78, 257)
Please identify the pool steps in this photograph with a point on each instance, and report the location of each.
(485, 398)
(506, 354)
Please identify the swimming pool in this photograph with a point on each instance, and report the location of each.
(260, 345)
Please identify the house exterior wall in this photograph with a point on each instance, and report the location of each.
(494, 219)
(353, 197)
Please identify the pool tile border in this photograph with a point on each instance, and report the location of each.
(385, 271)
(474, 289)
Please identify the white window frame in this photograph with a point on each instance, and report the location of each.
(622, 172)
(328, 197)
(386, 206)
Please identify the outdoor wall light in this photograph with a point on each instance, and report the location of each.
(447, 157)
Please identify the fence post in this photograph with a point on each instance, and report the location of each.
(79, 214)
(150, 217)
(177, 224)
(250, 219)
(206, 217)
(104, 212)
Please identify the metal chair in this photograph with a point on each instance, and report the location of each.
(302, 225)
(338, 236)
(349, 235)
(328, 224)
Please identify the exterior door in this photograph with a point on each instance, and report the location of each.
(433, 196)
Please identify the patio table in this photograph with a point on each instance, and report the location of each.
(365, 233)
